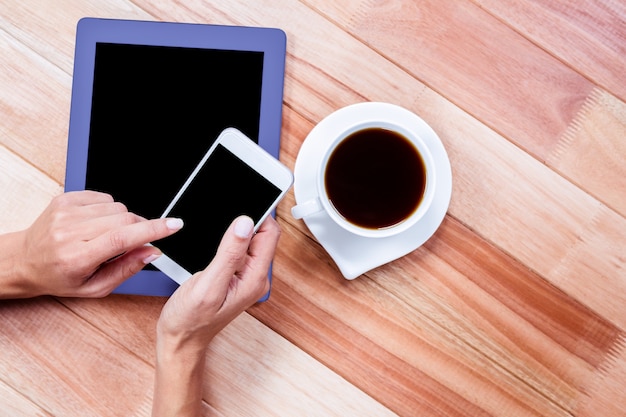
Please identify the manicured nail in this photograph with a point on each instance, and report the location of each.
(244, 226)
(151, 258)
(174, 224)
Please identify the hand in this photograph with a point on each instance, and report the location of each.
(202, 306)
(233, 281)
(85, 244)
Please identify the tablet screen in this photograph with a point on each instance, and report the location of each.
(155, 112)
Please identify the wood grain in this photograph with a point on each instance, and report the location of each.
(32, 90)
(79, 364)
(262, 371)
(515, 307)
(557, 107)
(27, 21)
(15, 404)
(524, 329)
(469, 40)
(589, 152)
(589, 36)
(19, 178)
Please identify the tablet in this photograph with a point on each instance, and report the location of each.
(149, 99)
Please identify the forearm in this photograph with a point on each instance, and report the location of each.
(178, 380)
(13, 281)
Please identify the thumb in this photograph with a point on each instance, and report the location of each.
(230, 255)
(111, 274)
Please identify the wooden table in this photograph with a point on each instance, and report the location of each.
(515, 307)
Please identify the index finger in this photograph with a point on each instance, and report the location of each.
(263, 244)
(122, 239)
(86, 197)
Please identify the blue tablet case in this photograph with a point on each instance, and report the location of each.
(148, 99)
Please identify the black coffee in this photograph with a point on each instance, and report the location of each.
(375, 178)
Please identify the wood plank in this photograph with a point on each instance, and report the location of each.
(250, 369)
(606, 392)
(474, 60)
(562, 361)
(321, 66)
(589, 36)
(439, 68)
(571, 225)
(15, 404)
(35, 100)
(65, 365)
(544, 220)
(591, 152)
(25, 192)
(541, 338)
(520, 349)
(49, 28)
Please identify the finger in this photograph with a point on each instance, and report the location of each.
(94, 218)
(100, 209)
(92, 227)
(112, 274)
(230, 256)
(252, 280)
(83, 228)
(126, 238)
(263, 245)
(85, 197)
(76, 206)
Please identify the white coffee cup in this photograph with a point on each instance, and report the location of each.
(413, 198)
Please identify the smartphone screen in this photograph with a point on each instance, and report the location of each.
(224, 188)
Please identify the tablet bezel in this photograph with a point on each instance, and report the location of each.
(90, 31)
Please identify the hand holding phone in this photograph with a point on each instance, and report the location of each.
(235, 177)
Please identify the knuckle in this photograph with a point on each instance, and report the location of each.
(59, 200)
(128, 218)
(58, 218)
(119, 207)
(58, 237)
(157, 228)
(118, 240)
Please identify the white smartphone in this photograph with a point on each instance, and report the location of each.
(236, 176)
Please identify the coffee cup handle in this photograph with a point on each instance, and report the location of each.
(307, 208)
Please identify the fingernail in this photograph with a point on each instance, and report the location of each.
(151, 258)
(174, 224)
(244, 226)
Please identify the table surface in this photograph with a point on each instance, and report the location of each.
(515, 307)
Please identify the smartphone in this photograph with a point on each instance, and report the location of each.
(235, 177)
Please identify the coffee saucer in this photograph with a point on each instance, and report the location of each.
(353, 254)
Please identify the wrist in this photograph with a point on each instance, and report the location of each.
(178, 378)
(175, 336)
(171, 348)
(15, 281)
